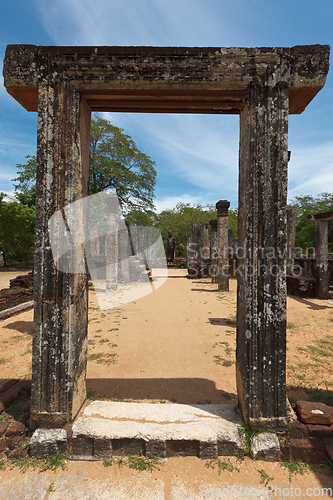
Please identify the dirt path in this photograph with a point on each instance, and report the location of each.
(178, 344)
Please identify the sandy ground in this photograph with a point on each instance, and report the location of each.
(178, 345)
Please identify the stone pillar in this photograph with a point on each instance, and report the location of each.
(291, 228)
(205, 249)
(111, 243)
(213, 270)
(125, 253)
(322, 285)
(59, 352)
(194, 246)
(262, 227)
(230, 243)
(151, 246)
(222, 207)
(94, 240)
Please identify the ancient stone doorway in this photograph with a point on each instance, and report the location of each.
(263, 86)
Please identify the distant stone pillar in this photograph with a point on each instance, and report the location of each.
(205, 249)
(291, 223)
(222, 241)
(135, 238)
(151, 246)
(322, 284)
(59, 351)
(194, 247)
(262, 224)
(125, 253)
(214, 268)
(231, 243)
(94, 241)
(111, 243)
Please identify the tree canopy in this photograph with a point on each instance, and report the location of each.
(306, 231)
(17, 231)
(179, 220)
(115, 164)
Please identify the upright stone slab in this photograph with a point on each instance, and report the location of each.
(262, 228)
(214, 268)
(194, 248)
(231, 242)
(94, 241)
(291, 228)
(222, 207)
(322, 285)
(59, 348)
(205, 249)
(111, 243)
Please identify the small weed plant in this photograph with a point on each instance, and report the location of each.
(295, 467)
(221, 465)
(265, 478)
(249, 432)
(137, 462)
(47, 462)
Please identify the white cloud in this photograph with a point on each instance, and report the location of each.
(200, 151)
(311, 169)
(171, 201)
(129, 22)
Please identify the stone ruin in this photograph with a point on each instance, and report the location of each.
(263, 86)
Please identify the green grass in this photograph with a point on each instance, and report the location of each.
(295, 467)
(221, 465)
(221, 361)
(141, 463)
(249, 432)
(265, 478)
(48, 462)
(290, 325)
(103, 358)
(137, 462)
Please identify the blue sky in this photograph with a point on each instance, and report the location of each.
(196, 155)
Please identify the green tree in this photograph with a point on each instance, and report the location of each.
(179, 220)
(17, 230)
(306, 231)
(115, 164)
(25, 187)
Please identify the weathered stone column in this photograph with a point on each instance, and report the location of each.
(262, 225)
(205, 251)
(125, 253)
(194, 247)
(59, 353)
(214, 269)
(322, 284)
(111, 242)
(222, 242)
(291, 223)
(231, 242)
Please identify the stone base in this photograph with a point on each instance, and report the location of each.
(105, 429)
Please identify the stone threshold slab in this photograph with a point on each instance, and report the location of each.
(25, 306)
(106, 429)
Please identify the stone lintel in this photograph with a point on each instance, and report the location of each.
(166, 79)
(321, 216)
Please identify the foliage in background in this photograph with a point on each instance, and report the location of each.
(117, 164)
(179, 220)
(306, 231)
(17, 231)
